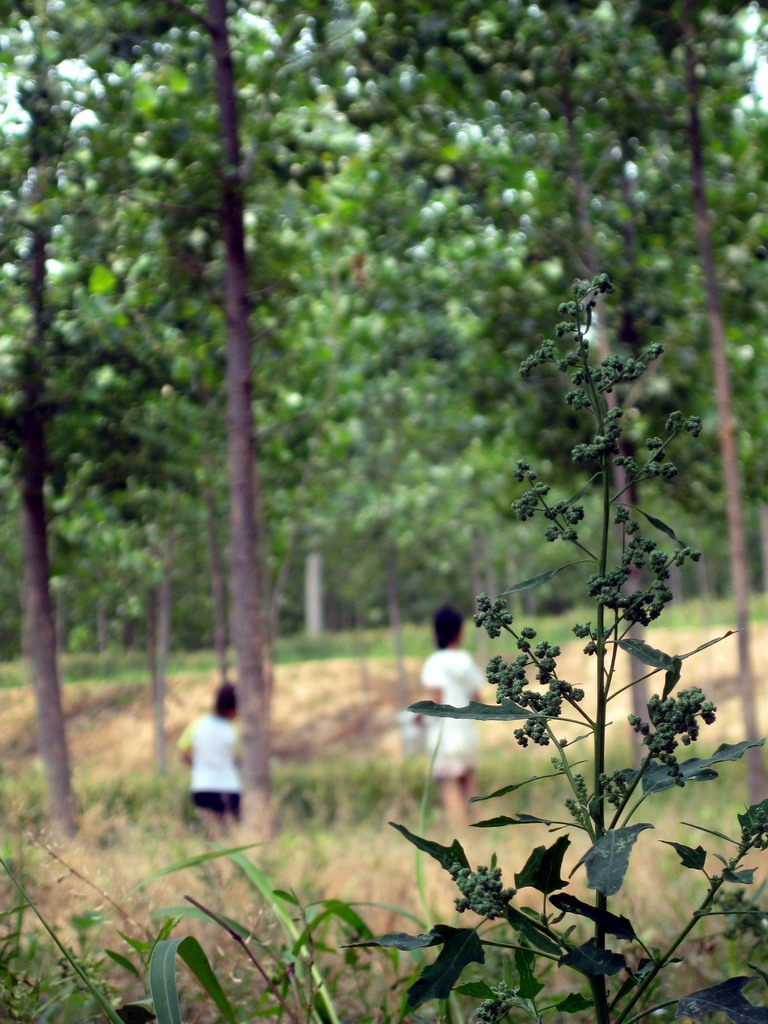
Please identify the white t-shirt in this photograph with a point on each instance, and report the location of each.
(213, 743)
(457, 677)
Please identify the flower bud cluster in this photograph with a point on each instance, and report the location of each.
(494, 1008)
(614, 786)
(492, 616)
(672, 718)
(482, 891)
(510, 679)
(754, 828)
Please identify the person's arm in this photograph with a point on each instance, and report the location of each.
(184, 745)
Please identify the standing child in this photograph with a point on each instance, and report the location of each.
(210, 746)
(451, 677)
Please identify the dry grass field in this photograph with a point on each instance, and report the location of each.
(335, 731)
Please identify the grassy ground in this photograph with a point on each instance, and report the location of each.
(339, 777)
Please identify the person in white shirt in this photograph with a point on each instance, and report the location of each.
(210, 745)
(452, 677)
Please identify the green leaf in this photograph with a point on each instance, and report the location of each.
(724, 998)
(436, 981)
(607, 861)
(544, 577)
(748, 820)
(610, 923)
(476, 989)
(695, 769)
(711, 832)
(648, 655)
(523, 924)
(504, 711)
(690, 858)
(101, 280)
(709, 643)
(659, 525)
(744, 877)
(521, 819)
(542, 869)
(590, 960)
(446, 856)
(162, 979)
(574, 1003)
(511, 789)
(401, 940)
(528, 985)
(122, 961)
(190, 862)
(180, 910)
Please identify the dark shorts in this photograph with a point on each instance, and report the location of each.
(219, 803)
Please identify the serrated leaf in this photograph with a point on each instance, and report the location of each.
(591, 960)
(528, 985)
(436, 981)
(610, 923)
(607, 861)
(400, 940)
(690, 858)
(544, 577)
(744, 877)
(659, 525)
(542, 869)
(648, 655)
(725, 998)
(504, 711)
(530, 933)
(573, 1003)
(696, 769)
(446, 856)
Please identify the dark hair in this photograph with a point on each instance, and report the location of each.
(226, 700)
(447, 626)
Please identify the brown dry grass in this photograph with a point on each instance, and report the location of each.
(327, 709)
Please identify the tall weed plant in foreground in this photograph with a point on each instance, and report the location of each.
(533, 920)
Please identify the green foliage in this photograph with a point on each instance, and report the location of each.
(598, 806)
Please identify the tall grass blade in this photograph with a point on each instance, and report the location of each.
(104, 1003)
(162, 979)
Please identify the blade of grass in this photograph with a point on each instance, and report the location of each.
(97, 994)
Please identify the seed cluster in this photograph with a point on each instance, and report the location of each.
(482, 891)
(673, 717)
(496, 1007)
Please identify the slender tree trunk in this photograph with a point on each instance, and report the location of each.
(160, 611)
(52, 742)
(764, 542)
(396, 624)
(101, 626)
(244, 495)
(313, 594)
(218, 586)
(727, 427)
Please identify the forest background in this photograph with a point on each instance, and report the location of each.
(268, 272)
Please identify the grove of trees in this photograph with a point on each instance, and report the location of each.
(267, 273)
